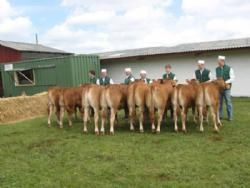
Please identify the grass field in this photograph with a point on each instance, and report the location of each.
(32, 155)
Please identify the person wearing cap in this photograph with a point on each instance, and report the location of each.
(169, 75)
(143, 75)
(92, 78)
(129, 77)
(202, 74)
(104, 79)
(225, 72)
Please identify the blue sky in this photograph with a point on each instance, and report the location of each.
(86, 26)
(43, 14)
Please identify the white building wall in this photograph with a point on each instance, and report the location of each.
(184, 65)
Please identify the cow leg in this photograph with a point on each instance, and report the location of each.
(75, 113)
(152, 119)
(175, 118)
(61, 117)
(184, 117)
(200, 112)
(160, 115)
(70, 113)
(96, 116)
(213, 112)
(50, 111)
(112, 120)
(85, 119)
(218, 115)
(81, 113)
(58, 115)
(104, 118)
(141, 111)
(195, 114)
(205, 114)
(131, 118)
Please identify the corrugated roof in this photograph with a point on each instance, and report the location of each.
(21, 46)
(182, 48)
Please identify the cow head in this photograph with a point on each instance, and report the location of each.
(158, 81)
(192, 81)
(221, 84)
(168, 81)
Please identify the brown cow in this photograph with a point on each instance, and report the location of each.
(139, 95)
(113, 97)
(91, 96)
(53, 103)
(184, 97)
(161, 95)
(71, 100)
(210, 96)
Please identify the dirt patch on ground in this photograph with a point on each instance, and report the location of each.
(216, 138)
(15, 109)
(43, 144)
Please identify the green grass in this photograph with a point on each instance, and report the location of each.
(32, 155)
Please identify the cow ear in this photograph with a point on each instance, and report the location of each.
(174, 82)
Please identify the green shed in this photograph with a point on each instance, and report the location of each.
(38, 75)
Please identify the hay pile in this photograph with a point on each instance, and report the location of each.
(23, 107)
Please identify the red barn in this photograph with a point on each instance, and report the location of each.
(17, 51)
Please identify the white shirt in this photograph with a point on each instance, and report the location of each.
(231, 75)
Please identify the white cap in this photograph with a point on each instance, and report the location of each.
(128, 70)
(143, 72)
(201, 62)
(104, 70)
(220, 57)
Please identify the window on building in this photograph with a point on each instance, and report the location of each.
(25, 77)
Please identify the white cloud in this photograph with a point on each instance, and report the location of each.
(109, 25)
(94, 25)
(121, 5)
(14, 26)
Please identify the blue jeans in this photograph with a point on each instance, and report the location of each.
(227, 95)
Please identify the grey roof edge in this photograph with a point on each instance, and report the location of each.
(180, 48)
(31, 47)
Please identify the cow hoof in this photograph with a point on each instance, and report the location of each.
(153, 130)
(112, 133)
(102, 133)
(184, 131)
(70, 126)
(158, 132)
(60, 127)
(216, 131)
(49, 126)
(201, 131)
(96, 133)
(84, 131)
(141, 131)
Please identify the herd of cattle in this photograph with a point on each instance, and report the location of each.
(157, 97)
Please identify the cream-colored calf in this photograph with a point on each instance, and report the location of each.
(91, 96)
(113, 97)
(139, 95)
